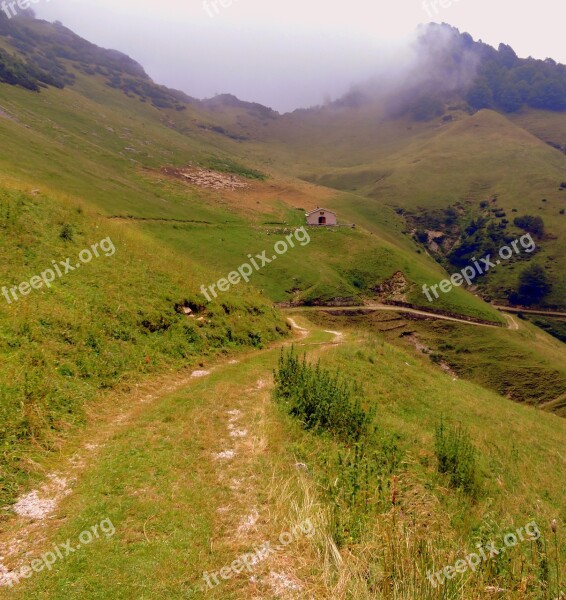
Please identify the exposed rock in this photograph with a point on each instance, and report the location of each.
(393, 289)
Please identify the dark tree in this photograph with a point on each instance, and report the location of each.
(534, 225)
(509, 98)
(507, 56)
(480, 96)
(533, 286)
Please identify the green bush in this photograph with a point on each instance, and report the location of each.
(533, 285)
(66, 232)
(456, 457)
(321, 400)
(359, 485)
(534, 225)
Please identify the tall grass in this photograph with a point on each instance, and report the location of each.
(456, 457)
(321, 400)
(388, 517)
(358, 459)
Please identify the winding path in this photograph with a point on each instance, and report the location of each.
(399, 309)
(513, 325)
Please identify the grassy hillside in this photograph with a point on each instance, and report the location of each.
(421, 167)
(364, 545)
(91, 148)
(511, 362)
(410, 532)
(93, 178)
(114, 320)
(84, 165)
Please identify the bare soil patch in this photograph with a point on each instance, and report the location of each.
(206, 178)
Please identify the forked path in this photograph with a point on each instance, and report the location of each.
(192, 477)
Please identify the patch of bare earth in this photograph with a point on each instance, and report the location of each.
(200, 373)
(338, 335)
(393, 289)
(206, 178)
(301, 330)
(414, 340)
(6, 115)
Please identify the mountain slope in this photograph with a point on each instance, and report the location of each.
(234, 469)
(176, 194)
(421, 168)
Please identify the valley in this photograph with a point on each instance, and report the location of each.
(322, 388)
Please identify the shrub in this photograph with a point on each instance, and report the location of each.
(534, 225)
(322, 401)
(534, 284)
(356, 466)
(422, 236)
(456, 457)
(359, 486)
(66, 233)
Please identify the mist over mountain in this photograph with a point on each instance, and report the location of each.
(446, 66)
(439, 67)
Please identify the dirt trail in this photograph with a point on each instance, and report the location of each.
(513, 325)
(36, 511)
(399, 309)
(528, 311)
(244, 521)
(302, 331)
(36, 516)
(247, 520)
(338, 335)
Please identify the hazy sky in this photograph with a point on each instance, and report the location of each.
(293, 53)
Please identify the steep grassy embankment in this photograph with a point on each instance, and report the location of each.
(509, 361)
(112, 321)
